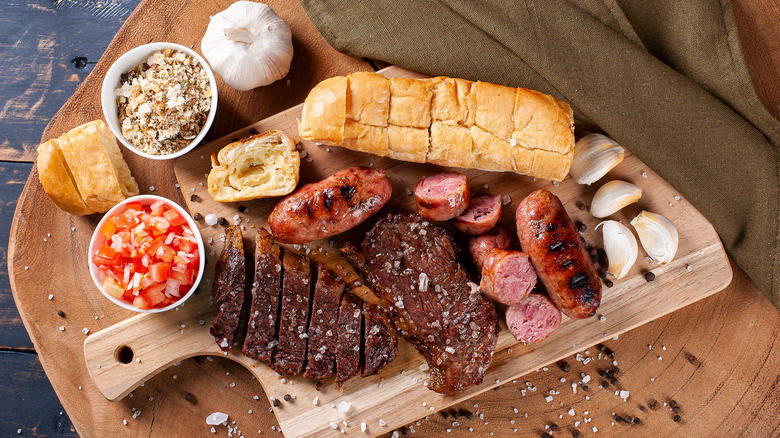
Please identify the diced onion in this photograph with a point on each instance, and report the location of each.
(126, 278)
(172, 288)
(169, 238)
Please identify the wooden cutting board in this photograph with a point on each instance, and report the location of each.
(398, 395)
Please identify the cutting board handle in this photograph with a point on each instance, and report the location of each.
(121, 357)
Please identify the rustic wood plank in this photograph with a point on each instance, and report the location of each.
(29, 405)
(12, 333)
(40, 38)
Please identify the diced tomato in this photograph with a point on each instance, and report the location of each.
(174, 217)
(140, 303)
(140, 267)
(159, 225)
(188, 246)
(166, 253)
(160, 271)
(157, 208)
(109, 228)
(135, 206)
(154, 295)
(184, 278)
(112, 287)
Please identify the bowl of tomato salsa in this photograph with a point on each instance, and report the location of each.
(147, 254)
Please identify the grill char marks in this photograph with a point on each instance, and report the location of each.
(414, 268)
(380, 340)
(348, 347)
(323, 326)
(296, 291)
(229, 283)
(261, 335)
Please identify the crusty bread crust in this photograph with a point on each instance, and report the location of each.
(57, 181)
(468, 124)
(259, 166)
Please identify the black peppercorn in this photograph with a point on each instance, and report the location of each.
(194, 198)
(618, 418)
(61, 314)
(197, 216)
(575, 433)
(637, 420)
(602, 275)
(609, 283)
(564, 367)
(602, 373)
(677, 418)
(553, 427)
(318, 386)
(277, 403)
(672, 403)
(642, 408)
(287, 397)
(241, 209)
(692, 359)
(649, 277)
(613, 381)
(604, 384)
(190, 398)
(545, 435)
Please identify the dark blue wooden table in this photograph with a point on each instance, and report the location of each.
(47, 48)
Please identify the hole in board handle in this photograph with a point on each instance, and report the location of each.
(124, 354)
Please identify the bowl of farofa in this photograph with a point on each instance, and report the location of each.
(159, 100)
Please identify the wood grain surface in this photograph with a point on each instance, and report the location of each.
(720, 363)
(398, 395)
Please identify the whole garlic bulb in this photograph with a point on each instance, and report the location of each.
(248, 45)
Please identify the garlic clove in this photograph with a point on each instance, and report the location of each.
(613, 196)
(594, 156)
(620, 246)
(658, 236)
(248, 45)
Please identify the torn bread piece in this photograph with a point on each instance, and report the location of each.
(256, 167)
(57, 180)
(96, 165)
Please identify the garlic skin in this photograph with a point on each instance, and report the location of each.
(248, 45)
(658, 236)
(613, 196)
(594, 156)
(620, 246)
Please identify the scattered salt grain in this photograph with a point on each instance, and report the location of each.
(51, 296)
(333, 425)
(506, 199)
(211, 219)
(363, 427)
(216, 418)
(344, 406)
(85, 331)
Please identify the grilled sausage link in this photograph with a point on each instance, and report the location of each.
(331, 206)
(562, 263)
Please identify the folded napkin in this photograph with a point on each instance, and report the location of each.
(667, 80)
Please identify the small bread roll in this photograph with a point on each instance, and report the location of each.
(259, 166)
(101, 174)
(57, 180)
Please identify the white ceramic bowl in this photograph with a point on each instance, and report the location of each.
(130, 60)
(98, 240)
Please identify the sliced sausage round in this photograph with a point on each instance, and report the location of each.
(548, 235)
(442, 196)
(507, 276)
(331, 206)
(534, 318)
(480, 246)
(482, 214)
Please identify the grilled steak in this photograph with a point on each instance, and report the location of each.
(261, 333)
(348, 347)
(323, 326)
(413, 267)
(229, 283)
(293, 321)
(379, 338)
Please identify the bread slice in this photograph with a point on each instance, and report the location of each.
(101, 174)
(259, 166)
(57, 180)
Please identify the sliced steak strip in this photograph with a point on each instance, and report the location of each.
(229, 283)
(348, 347)
(413, 267)
(261, 334)
(323, 326)
(380, 339)
(296, 290)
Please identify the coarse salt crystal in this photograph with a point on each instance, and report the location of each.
(211, 219)
(548, 399)
(382, 422)
(363, 427)
(344, 406)
(333, 425)
(216, 418)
